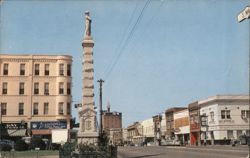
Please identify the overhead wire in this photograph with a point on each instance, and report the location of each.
(127, 39)
(147, 28)
(123, 37)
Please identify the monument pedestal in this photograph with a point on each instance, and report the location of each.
(87, 133)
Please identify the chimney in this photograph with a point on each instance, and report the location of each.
(108, 106)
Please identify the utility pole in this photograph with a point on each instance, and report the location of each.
(100, 109)
(245, 14)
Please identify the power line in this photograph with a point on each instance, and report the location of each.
(145, 31)
(122, 39)
(128, 38)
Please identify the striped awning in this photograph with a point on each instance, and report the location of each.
(16, 132)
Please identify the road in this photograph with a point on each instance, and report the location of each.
(181, 152)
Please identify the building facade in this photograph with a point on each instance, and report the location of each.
(112, 125)
(194, 121)
(148, 130)
(35, 94)
(163, 127)
(125, 136)
(169, 117)
(181, 126)
(227, 118)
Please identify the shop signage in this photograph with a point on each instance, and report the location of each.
(48, 125)
(14, 126)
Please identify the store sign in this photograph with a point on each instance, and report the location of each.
(14, 126)
(48, 125)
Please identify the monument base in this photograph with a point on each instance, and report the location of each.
(87, 138)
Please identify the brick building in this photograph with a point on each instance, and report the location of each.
(169, 114)
(112, 125)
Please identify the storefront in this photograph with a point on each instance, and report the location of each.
(43, 129)
(13, 131)
(195, 127)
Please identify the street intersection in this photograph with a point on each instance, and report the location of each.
(183, 152)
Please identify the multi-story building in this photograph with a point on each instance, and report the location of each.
(163, 127)
(194, 121)
(181, 126)
(135, 134)
(35, 94)
(125, 136)
(112, 125)
(169, 116)
(148, 130)
(157, 128)
(227, 118)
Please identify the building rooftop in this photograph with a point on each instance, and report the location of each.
(37, 56)
(174, 109)
(224, 97)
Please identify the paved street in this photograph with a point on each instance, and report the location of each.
(180, 152)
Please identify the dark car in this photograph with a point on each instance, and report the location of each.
(6, 145)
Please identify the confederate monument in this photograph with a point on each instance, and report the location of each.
(87, 133)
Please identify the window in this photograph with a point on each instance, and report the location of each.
(21, 88)
(239, 133)
(46, 88)
(248, 132)
(35, 109)
(230, 134)
(61, 69)
(36, 88)
(22, 69)
(225, 114)
(21, 109)
(5, 88)
(3, 108)
(69, 70)
(212, 116)
(68, 109)
(60, 108)
(46, 69)
(69, 88)
(61, 88)
(245, 113)
(46, 109)
(37, 69)
(5, 69)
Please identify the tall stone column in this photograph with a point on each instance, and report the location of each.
(87, 133)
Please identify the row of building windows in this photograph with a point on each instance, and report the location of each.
(225, 114)
(3, 109)
(36, 88)
(37, 69)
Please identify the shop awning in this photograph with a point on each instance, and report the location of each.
(41, 132)
(16, 133)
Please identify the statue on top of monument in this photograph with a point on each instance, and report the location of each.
(87, 24)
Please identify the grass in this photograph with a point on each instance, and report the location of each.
(30, 153)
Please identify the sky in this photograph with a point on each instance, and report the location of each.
(152, 54)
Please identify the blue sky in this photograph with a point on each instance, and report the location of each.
(152, 54)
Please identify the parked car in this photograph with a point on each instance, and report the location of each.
(6, 145)
(170, 142)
